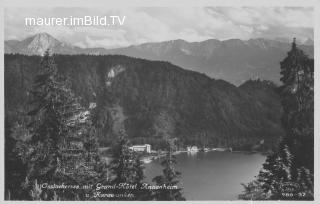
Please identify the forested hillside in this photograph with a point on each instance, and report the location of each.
(156, 100)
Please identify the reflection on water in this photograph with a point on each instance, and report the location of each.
(192, 154)
(212, 175)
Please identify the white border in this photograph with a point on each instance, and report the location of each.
(170, 3)
(167, 3)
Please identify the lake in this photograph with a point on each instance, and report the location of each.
(212, 175)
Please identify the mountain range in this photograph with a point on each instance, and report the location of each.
(233, 60)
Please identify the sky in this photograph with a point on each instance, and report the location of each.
(156, 24)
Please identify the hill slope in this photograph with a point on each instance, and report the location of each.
(155, 100)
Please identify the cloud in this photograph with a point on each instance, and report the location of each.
(113, 39)
(155, 24)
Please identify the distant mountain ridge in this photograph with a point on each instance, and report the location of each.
(232, 60)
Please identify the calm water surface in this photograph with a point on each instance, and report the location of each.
(212, 175)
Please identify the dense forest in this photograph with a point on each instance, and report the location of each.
(55, 149)
(156, 100)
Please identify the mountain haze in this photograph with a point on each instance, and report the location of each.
(232, 60)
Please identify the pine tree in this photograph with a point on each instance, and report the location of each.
(86, 168)
(13, 176)
(141, 192)
(53, 106)
(292, 164)
(127, 168)
(122, 166)
(297, 97)
(275, 175)
(253, 191)
(169, 180)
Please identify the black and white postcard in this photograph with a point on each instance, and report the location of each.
(123, 101)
